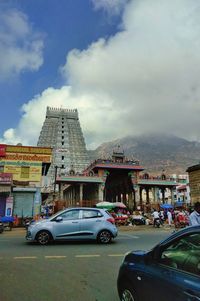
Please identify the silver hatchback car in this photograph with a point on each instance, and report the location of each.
(74, 224)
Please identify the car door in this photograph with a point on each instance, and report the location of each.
(90, 222)
(67, 225)
(175, 273)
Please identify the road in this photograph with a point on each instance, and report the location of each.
(70, 271)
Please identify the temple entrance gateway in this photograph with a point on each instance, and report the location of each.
(119, 187)
(115, 180)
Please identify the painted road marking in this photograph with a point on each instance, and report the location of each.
(116, 255)
(124, 236)
(25, 257)
(54, 256)
(87, 255)
(64, 256)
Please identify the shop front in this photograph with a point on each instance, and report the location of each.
(6, 201)
(26, 202)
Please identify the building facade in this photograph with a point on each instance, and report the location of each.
(62, 132)
(23, 168)
(194, 183)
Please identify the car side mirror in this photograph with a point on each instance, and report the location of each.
(59, 219)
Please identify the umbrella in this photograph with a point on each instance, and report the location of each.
(119, 205)
(179, 204)
(105, 205)
(166, 206)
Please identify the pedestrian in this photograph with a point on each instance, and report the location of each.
(169, 217)
(194, 218)
(156, 217)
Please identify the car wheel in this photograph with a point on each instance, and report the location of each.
(128, 294)
(43, 237)
(104, 237)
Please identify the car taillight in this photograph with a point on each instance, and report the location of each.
(111, 220)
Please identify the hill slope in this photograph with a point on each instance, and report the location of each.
(155, 152)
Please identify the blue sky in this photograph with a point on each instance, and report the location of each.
(129, 67)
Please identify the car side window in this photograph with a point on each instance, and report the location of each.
(183, 254)
(68, 215)
(91, 214)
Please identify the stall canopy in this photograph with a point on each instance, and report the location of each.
(106, 205)
(166, 206)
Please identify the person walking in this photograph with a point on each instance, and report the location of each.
(194, 217)
(169, 217)
(156, 217)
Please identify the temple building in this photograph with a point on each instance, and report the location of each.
(116, 179)
(62, 132)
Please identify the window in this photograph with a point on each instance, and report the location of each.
(1, 168)
(72, 214)
(25, 172)
(183, 254)
(91, 214)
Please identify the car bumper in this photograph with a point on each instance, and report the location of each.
(29, 236)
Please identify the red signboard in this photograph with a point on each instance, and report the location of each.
(5, 178)
(2, 150)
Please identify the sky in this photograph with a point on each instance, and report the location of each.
(130, 67)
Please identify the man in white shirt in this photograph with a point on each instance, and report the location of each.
(156, 216)
(169, 217)
(194, 218)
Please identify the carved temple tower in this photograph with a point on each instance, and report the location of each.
(61, 130)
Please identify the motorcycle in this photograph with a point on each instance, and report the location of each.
(157, 223)
(1, 227)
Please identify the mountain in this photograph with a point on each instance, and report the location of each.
(155, 152)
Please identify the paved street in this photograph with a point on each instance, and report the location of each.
(69, 270)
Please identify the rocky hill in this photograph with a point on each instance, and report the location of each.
(155, 152)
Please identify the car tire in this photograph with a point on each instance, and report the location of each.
(128, 294)
(43, 237)
(104, 237)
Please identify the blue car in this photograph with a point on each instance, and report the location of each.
(170, 271)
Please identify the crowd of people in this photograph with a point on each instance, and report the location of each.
(180, 217)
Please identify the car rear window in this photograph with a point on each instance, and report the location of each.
(91, 214)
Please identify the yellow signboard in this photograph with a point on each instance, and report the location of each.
(28, 149)
(27, 157)
(33, 173)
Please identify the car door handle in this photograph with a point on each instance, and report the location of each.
(98, 221)
(191, 295)
(74, 222)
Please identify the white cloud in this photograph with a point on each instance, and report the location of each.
(20, 47)
(143, 79)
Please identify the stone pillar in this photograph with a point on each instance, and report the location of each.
(61, 191)
(155, 194)
(163, 195)
(137, 195)
(172, 195)
(100, 192)
(147, 195)
(81, 192)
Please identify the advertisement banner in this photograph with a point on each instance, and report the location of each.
(37, 202)
(2, 150)
(9, 206)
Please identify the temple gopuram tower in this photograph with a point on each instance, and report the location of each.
(61, 130)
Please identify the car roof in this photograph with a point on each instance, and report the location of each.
(181, 232)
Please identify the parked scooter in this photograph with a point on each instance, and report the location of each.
(1, 227)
